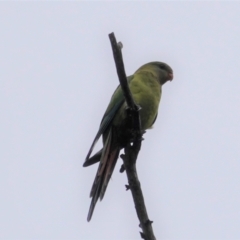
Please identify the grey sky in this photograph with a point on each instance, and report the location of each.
(56, 79)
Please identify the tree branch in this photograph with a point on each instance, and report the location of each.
(131, 151)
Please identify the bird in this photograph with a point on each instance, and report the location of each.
(146, 89)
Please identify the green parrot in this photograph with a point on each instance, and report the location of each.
(146, 87)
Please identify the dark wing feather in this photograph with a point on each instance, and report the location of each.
(115, 103)
(94, 159)
(106, 121)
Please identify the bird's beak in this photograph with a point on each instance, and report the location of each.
(170, 76)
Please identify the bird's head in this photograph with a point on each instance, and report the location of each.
(163, 71)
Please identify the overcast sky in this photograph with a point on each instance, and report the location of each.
(57, 75)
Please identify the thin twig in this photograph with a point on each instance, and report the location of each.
(131, 151)
(117, 54)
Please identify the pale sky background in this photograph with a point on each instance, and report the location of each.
(57, 75)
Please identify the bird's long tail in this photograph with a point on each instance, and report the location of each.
(107, 163)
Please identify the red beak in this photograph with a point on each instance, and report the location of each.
(170, 76)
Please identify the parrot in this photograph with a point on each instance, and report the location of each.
(146, 88)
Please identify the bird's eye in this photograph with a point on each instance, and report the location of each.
(162, 66)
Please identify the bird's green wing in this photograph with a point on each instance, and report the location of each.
(116, 102)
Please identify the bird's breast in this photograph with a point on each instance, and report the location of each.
(146, 92)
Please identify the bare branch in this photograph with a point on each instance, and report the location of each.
(131, 151)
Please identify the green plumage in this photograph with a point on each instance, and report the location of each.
(146, 88)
